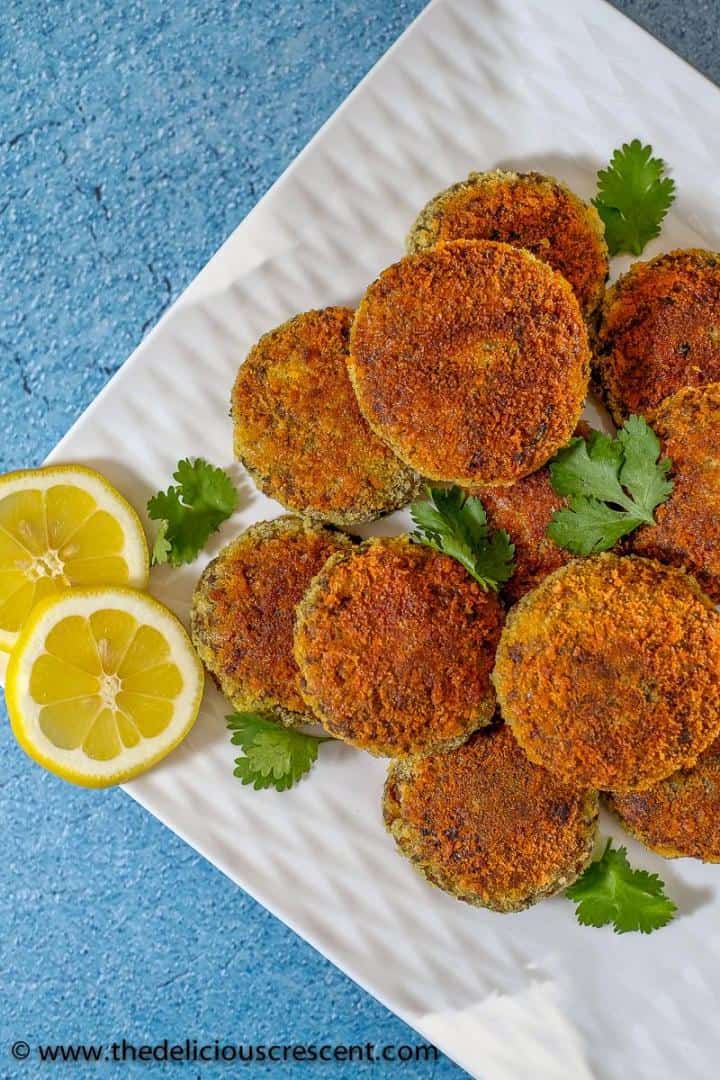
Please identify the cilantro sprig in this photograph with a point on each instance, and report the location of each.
(455, 523)
(613, 485)
(633, 197)
(274, 756)
(611, 892)
(190, 511)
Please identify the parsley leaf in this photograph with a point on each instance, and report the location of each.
(633, 197)
(612, 485)
(275, 756)
(456, 524)
(189, 512)
(610, 891)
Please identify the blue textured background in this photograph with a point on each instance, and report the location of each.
(134, 137)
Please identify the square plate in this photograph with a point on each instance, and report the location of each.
(521, 83)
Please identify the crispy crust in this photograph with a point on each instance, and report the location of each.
(609, 672)
(298, 429)
(528, 210)
(659, 331)
(687, 532)
(486, 825)
(471, 360)
(680, 816)
(395, 643)
(243, 609)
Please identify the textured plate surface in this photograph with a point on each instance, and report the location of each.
(553, 86)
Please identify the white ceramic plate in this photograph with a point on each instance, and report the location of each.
(553, 85)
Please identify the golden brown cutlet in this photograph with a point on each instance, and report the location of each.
(486, 825)
(395, 643)
(609, 672)
(659, 331)
(243, 610)
(471, 361)
(298, 429)
(528, 210)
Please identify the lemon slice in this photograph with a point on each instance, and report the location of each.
(101, 684)
(61, 526)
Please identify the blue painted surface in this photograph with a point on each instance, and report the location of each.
(134, 137)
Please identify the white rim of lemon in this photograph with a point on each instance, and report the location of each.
(135, 553)
(75, 765)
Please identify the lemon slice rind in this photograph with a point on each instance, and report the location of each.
(75, 765)
(107, 498)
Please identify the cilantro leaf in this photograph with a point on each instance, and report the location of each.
(642, 472)
(189, 512)
(588, 467)
(633, 197)
(588, 526)
(275, 756)
(612, 485)
(456, 524)
(610, 891)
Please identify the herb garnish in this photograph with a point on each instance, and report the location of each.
(189, 512)
(613, 485)
(275, 756)
(610, 891)
(633, 197)
(456, 523)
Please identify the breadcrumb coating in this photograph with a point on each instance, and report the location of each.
(395, 643)
(243, 609)
(528, 210)
(680, 816)
(687, 532)
(298, 429)
(659, 331)
(609, 672)
(485, 824)
(471, 360)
